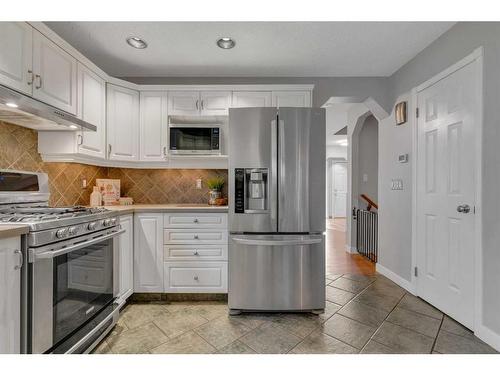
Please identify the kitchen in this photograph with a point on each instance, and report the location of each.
(185, 213)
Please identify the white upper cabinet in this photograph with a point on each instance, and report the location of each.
(215, 103)
(291, 99)
(11, 261)
(55, 77)
(92, 108)
(153, 126)
(184, 103)
(251, 99)
(122, 123)
(195, 103)
(16, 46)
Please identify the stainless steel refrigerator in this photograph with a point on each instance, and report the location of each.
(277, 209)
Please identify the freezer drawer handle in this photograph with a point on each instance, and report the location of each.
(257, 242)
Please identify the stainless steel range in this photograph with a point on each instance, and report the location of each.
(68, 299)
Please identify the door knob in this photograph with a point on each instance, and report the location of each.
(463, 209)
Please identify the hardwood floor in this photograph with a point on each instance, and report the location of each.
(338, 261)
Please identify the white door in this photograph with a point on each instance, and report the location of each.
(16, 48)
(243, 99)
(126, 257)
(447, 123)
(10, 295)
(92, 108)
(148, 253)
(291, 99)
(184, 103)
(153, 126)
(55, 74)
(123, 123)
(215, 103)
(339, 189)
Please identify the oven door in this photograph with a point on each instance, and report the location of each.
(70, 286)
(194, 140)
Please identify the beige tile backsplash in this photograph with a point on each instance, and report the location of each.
(18, 150)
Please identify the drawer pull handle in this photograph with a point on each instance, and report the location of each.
(196, 278)
(196, 252)
(195, 220)
(195, 236)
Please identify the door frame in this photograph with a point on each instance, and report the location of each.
(475, 57)
(330, 183)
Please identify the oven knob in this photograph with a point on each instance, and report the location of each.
(92, 225)
(73, 231)
(107, 222)
(113, 221)
(61, 233)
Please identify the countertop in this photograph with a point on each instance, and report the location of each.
(13, 230)
(184, 207)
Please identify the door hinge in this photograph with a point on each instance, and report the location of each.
(417, 112)
(415, 272)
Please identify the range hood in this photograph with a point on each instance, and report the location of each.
(23, 110)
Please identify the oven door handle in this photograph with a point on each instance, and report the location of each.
(53, 254)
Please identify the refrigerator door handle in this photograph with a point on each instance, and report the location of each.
(310, 240)
(281, 178)
(273, 186)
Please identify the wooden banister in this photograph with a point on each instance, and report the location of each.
(369, 202)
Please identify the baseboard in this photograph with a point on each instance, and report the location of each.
(488, 336)
(351, 249)
(403, 283)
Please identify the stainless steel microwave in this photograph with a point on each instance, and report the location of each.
(199, 140)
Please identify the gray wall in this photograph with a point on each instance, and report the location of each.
(368, 158)
(452, 46)
(324, 87)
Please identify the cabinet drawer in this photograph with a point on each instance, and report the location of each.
(195, 220)
(199, 277)
(194, 252)
(193, 236)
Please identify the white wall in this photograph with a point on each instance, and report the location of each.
(368, 159)
(336, 152)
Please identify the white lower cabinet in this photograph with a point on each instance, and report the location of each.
(195, 277)
(148, 252)
(10, 295)
(126, 258)
(195, 252)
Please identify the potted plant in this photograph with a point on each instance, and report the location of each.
(215, 186)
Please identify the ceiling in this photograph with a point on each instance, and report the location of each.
(298, 49)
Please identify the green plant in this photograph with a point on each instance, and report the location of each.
(216, 183)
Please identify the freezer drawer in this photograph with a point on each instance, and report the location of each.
(277, 272)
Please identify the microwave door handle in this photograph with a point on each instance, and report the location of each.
(54, 254)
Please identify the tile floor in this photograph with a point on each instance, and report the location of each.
(364, 314)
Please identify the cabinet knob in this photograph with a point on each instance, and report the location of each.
(21, 259)
(39, 78)
(32, 77)
(196, 252)
(195, 236)
(195, 220)
(196, 278)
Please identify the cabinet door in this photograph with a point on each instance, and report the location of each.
(148, 253)
(122, 123)
(215, 103)
(10, 296)
(126, 257)
(92, 108)
(251, 99)
(291, 99)
(16, 46)
(55, 74)
(154, 126)
(184, 103)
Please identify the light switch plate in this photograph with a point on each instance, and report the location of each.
(365, 177)
(198, 183)
(397, 184)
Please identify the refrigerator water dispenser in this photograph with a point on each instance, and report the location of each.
(251, 190)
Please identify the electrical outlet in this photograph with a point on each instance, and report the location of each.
(84, 183)
(198, 183)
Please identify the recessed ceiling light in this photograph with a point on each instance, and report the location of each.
(11, 105)
(136, 42)
(73, 127)
(226, 42)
